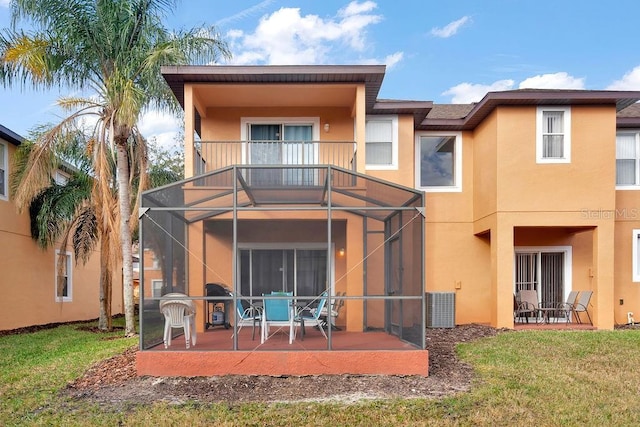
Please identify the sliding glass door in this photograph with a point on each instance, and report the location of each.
(282, 144)
(301, 271)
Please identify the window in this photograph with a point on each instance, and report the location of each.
(63, 282)
(553, 136)
(381, 141)
(156, 288)
(635, 254)
(627, 150)
(3, 170)
(439, 162)
(60, 178)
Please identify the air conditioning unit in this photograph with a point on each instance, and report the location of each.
(441, 309)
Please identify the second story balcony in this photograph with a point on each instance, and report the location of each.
(214, 155)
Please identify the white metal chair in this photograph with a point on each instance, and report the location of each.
(178, 312)
(248, 314)
(314, 316)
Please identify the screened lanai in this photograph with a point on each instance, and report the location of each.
(298, 230)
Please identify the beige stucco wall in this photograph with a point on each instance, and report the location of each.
(28, 278)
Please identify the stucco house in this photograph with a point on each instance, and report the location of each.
(31, 292)
(300, 179)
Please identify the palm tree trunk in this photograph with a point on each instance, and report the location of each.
(124, 200)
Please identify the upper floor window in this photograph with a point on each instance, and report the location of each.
(627, 158)
(4, 161)
(439, 161)
(60, 178)
(381, 140)
(64, 282)
(553, 135)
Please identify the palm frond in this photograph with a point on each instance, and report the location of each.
(85, 233)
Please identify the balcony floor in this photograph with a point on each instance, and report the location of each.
(352, 353)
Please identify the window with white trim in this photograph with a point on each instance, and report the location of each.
(4, 161)
(156, 288)
(627, 159)
(381, 142)
(635, 253)
(63, 276)
(439, 161)
(553, 135)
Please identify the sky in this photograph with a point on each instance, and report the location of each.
(446, 51)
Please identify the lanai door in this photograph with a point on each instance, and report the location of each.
(542, 271)
(298, 270)
(282, 144)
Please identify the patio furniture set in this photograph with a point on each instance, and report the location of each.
(526, 306)
(278, 310)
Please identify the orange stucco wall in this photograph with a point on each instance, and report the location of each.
(28, 278)
(507, 200)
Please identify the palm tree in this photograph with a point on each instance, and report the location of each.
(112, 50)
(66, 213)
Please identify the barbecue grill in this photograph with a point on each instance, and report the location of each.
(212, 306)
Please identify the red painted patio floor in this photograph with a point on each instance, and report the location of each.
(352, 353)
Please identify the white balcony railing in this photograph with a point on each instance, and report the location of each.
(213, 155)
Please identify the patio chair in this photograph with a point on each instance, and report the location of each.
(582, 306)
(178, 312)
(526, 304)
(314, 316)
(336, 305)
(277, 312)
(248, 314)
(565, 309)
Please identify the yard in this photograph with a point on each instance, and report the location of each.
(67, 375)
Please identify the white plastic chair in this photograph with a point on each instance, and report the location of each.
(178, 313)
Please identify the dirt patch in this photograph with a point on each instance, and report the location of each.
(114, 381)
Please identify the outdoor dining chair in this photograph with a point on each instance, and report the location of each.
(314, 316)
(582, 306)
(277, 312)
(248, 314)
(178, 312)
(526, 304)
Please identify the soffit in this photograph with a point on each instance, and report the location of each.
(275, 95)
(370, 75)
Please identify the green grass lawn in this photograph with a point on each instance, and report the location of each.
(541, 378)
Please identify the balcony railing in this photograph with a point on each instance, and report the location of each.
(213, 155)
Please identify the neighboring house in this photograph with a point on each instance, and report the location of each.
(31, 295)
(524, 189)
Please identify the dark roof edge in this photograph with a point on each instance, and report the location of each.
(9, 135)
(270, 69)
(621, 99)
(628, 122)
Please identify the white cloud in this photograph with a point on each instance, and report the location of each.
(630, 81)
(393, 59)
(450, 29)
(162, 126)
(4, 3)
(245, 13)
(560, 80)
(288, 37)
(465, 93)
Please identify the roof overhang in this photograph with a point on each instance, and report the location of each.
(419, 109)
(369, 75)
(10, 136)
(492, 100)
